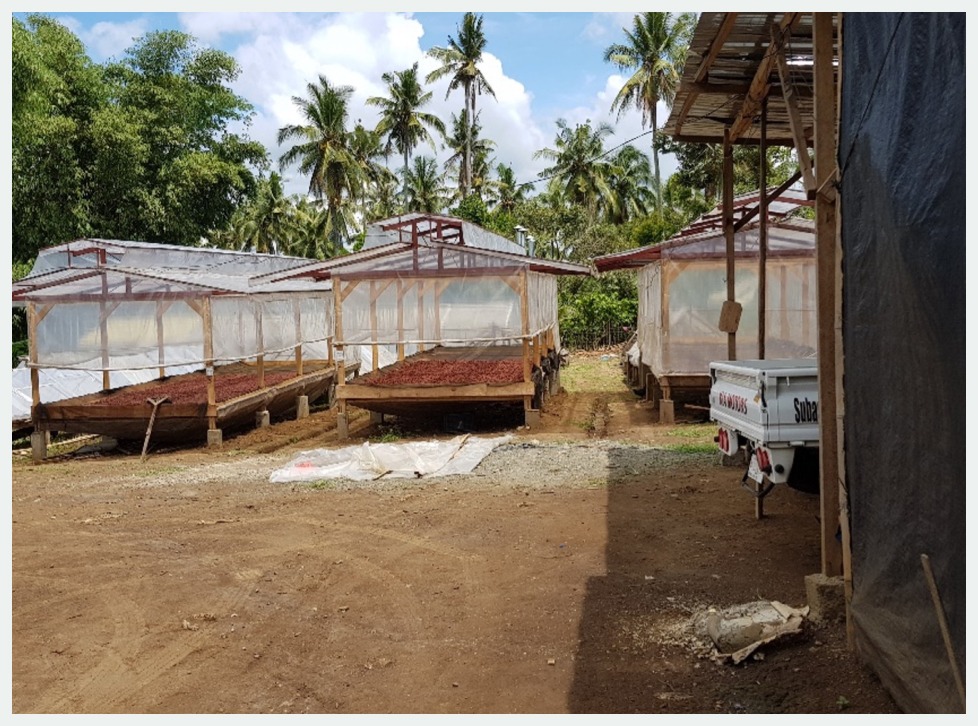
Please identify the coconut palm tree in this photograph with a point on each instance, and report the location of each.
(466, 136)
(324, 153)
(424, 187)
(267, 226)
(632, 185)
(459, 60)
(579, 172)
(655, 51)
(368, 150)
(402, 121)
(506, 191)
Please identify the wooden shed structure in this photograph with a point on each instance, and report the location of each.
(453, 315)
(874, 105)
(112, 306)
(682, 291)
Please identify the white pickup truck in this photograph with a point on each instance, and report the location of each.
(770, 409)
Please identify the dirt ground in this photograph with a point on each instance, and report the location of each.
(561, 576)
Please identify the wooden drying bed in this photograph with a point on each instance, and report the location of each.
(124, 413)
(441, 380)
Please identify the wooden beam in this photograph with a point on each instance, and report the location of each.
(751, 213)
(104, 335)
(701, 73)
(762, 240)
(728, 232)
(209, 364)
(338, 332)
(161, 307)
(260, 335)
(32, 322)
(297, 315)
(473, 391)
(827, 269)
(374, 352)
(400, 318)
(525, 314)
(760, 86)
(795, 119)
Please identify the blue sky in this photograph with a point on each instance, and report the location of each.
(542, 65)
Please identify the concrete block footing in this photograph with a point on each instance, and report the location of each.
(39, 445)
(215, 438)
(826, 598)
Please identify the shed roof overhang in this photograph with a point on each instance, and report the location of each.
(736, 63)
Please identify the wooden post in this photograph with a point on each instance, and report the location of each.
(160, 309)
(728, 232)
(104, 334)
(400, 318)
(338, 331)
(374, 353)
(421, 288)
(525, 315)
(825, 230)
(260, 334)
(297, 314)
(439, 289)
(209, 364)
(762, 240)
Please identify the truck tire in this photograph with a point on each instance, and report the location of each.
(805, 471)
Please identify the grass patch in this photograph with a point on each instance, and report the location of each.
(710, 448)
(323, 485)
(592, 375)
(388, 435)
(704, 432)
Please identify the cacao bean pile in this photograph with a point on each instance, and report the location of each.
(191, 388)
(448, 373)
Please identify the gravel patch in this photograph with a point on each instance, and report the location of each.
(521, 465)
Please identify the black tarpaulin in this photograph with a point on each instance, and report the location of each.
(903, 209)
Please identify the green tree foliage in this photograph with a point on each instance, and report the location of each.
(324, 153)
(141, 148)
(701, 167)
(56, 90)
(655, 52)
(464, 136)
(459, 60)
(402, 122)
(424, 187)
(578, 171)
(193, 170)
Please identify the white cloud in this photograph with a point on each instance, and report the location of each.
(356, 49)
(106, 40)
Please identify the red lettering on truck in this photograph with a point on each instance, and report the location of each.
(733, 402)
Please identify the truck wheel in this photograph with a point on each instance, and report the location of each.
(805, 471)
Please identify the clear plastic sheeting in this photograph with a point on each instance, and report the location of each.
(424, 281)
(682, 294)
(370, 461)
(118, 305)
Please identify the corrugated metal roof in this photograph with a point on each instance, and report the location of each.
(710, 225)
(154, 270)
(430, 231)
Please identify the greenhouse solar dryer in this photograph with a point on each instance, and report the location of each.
(768, 409)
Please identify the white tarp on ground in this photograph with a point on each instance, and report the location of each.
(411, 460)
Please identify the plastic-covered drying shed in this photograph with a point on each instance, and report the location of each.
(682, 291)
(113, 306)
(453, 315)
